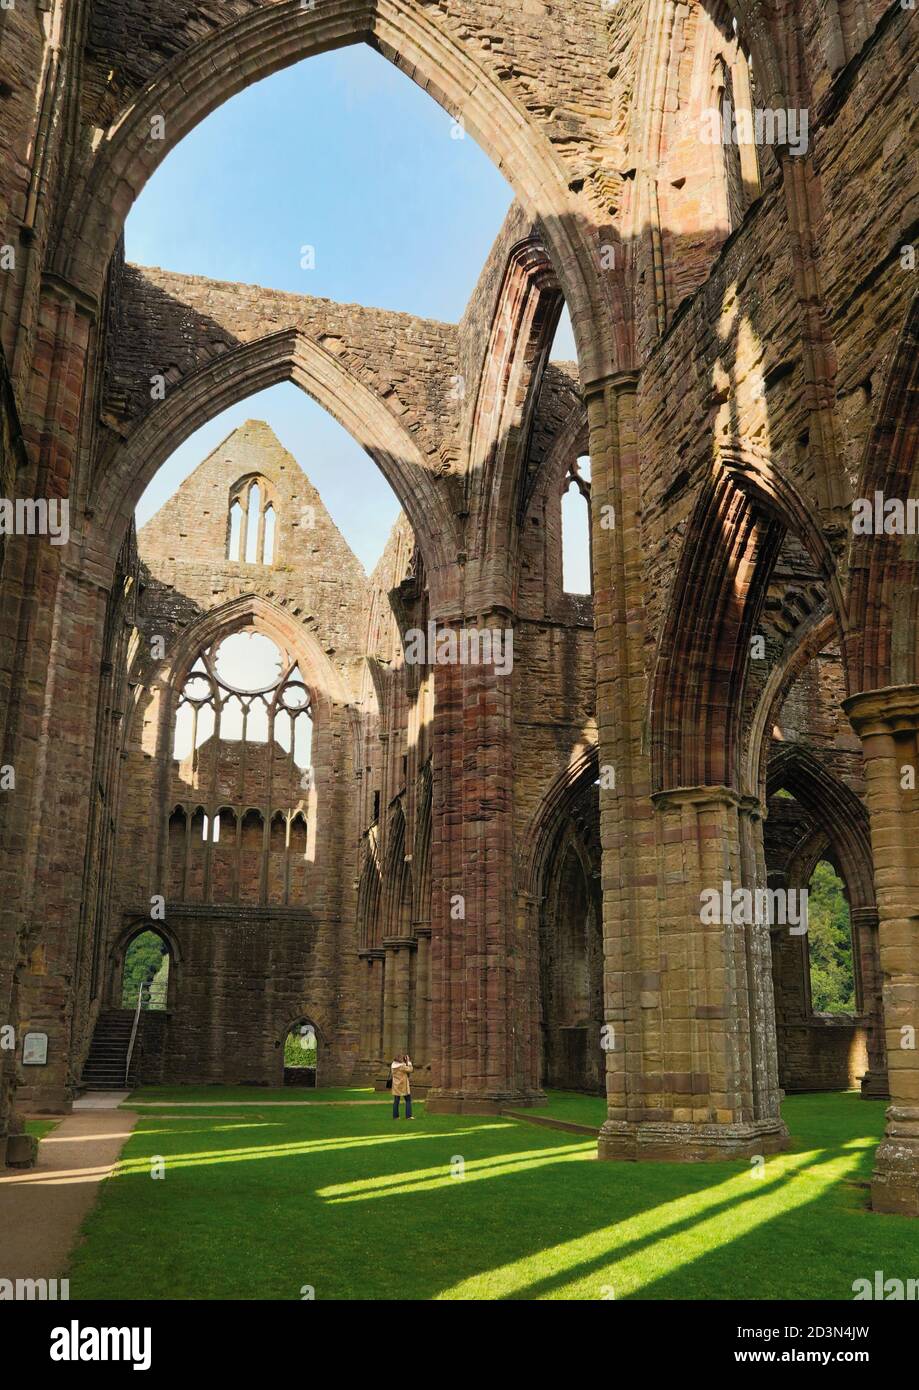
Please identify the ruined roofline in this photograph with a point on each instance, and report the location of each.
(159, 274)
(517, 226)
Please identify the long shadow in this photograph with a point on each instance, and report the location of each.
(438, 1235)
(614, 1255)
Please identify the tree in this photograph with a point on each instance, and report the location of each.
(829, 936)
(143, 960)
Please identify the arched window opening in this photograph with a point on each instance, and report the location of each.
(235, 531)
(223, 857)
(282, 728)
(251, 856)
(184, 734)
(296, 858)
(246, 709)
(268, 546)
(146, 971)
(252, 522)
(231, 719)
(252, 692)
(297, 838)
(734, 101)
(829, 941)
(204, 725)
(177, 838)
(303, 741)
(731, 132)
(256, 726)
(197, 856)
(576, 541)
(301, 1055)
(278, 833)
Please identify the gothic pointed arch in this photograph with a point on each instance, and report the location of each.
(818, 630)
(559, 872)
(275, 36)
(523, 325)
(742, 514)
(288, 355)
(397, 879)
(556, 804)
(368, 895)
(835, 807)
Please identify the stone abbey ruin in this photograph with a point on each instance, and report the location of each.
(565, 846)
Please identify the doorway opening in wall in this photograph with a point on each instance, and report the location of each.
(829, 941)
(146, 971)
(301, 1055)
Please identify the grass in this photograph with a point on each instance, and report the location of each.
(39, 1128)
(201, 1095)
(357, 1207)
(573, 1106)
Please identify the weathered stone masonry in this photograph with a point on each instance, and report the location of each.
(746, 331)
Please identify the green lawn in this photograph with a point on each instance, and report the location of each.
(574, 1107)
(200, 1095)
(356, 1206)
(39, 1128)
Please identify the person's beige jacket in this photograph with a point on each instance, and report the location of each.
(400, 1082)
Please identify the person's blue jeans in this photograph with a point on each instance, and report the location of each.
(408, 1106)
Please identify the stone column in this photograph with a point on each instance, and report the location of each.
(478, 961)
(626, 812)
(874, 1083)
(707, 1083)
(50, 995)
(422, 1006)
(887, 722)
(688, 1007)
(371, 1051)
(51, 641)
(396, 996)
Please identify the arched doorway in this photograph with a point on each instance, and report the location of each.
(145, 972)
(301, 1054)
(571, 975)
(566, 880)
(832, 970)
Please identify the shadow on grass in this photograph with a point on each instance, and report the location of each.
(359, 1209)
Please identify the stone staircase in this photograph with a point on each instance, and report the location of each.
(108, 1052)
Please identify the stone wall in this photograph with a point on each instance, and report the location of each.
(245, 972)
(746, 364)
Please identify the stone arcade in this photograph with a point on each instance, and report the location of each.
(452, 875)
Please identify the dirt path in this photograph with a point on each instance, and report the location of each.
(42, 1208)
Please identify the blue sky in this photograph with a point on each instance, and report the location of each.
(347, 155)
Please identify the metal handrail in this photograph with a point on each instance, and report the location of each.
(140, 1004)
